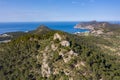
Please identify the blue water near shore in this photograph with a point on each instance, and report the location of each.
(28, 26)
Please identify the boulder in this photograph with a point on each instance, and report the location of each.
(65, 43)
(57, 36)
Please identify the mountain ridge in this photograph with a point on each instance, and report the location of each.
(56, 55)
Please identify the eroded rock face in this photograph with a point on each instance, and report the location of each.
(45, 69)
(65, 43)
(68, 55)
(54, 47)
(57, 36)
(48, 52)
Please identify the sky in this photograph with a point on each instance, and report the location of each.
(59, 10)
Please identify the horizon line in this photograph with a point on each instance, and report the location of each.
(61, 21)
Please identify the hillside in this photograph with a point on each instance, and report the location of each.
(6, 37)
(99, 28)
(46, 54)
(103, 30)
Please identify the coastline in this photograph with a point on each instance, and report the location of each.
(5, 41)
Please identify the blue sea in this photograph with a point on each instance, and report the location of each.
(28, 26)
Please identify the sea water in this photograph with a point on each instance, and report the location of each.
(28, 26)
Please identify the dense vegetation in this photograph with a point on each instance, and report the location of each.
(22, 58)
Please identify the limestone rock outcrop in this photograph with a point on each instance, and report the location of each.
(65, 43)
(57, 36)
